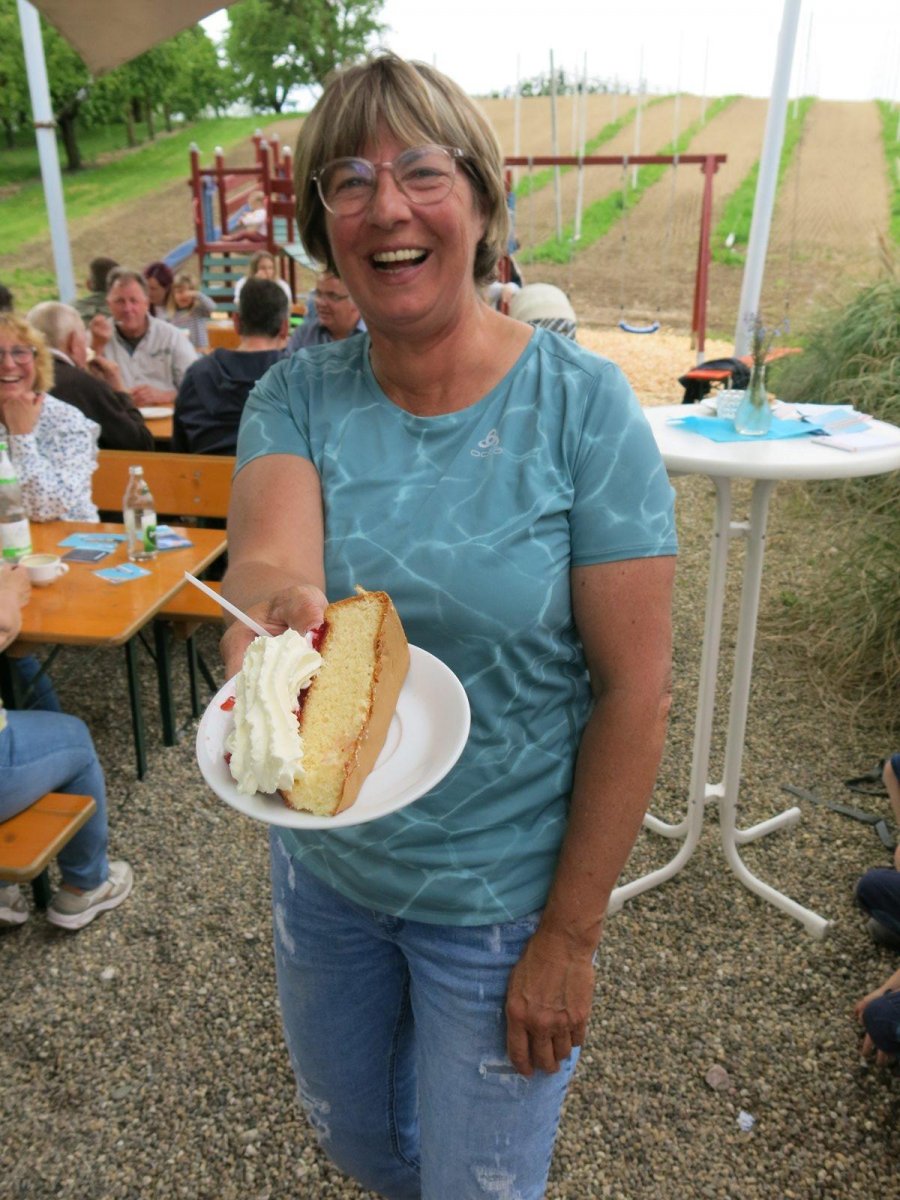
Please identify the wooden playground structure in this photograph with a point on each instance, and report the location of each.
(220, 194)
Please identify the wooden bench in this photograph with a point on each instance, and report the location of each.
(718, 375)
(33, 837)
(183, 485)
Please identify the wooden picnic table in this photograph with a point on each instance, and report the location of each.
(83, 609)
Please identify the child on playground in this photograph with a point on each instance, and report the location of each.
(191, 310)
(878, 893)
(252, 225)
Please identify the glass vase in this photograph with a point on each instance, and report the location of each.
(754, 416)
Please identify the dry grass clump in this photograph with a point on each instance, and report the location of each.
(853, 357)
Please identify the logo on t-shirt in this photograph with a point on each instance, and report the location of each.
(487, 446)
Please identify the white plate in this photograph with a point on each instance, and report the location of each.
(426, 737)
(152, 411)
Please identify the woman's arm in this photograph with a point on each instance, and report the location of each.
(15, 589)
(623, 614)
(55, 462)
(276, 543)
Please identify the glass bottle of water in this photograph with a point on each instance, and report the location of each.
(139, 515)
(15, 532)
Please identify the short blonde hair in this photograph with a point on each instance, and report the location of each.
(415, 103)
(29, 336)
(184, 280)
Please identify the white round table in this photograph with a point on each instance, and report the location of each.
(764, 462)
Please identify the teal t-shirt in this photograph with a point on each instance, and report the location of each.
(471, 521)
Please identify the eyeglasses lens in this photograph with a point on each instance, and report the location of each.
(424, 174)
(19, 354)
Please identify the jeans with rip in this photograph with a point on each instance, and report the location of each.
(397, 1035)
(44, 752)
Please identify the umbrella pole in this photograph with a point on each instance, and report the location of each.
(45, 134)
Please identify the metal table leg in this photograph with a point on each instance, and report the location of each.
(726, 793)
(137, 715)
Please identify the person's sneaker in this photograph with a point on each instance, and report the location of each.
(13, 905)
(73, 910)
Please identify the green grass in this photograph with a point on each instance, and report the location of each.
(131, 177)
(890, 124)
(534, 181)
(597, 219)
(19, 163)
(738, 211)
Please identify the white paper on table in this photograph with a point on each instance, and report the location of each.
(876, 437)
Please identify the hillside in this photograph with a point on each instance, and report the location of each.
(831, 211)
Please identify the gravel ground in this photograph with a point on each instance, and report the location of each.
(143, 1058)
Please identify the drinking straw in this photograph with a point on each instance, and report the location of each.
(228, 606)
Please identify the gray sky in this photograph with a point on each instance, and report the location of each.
(844, 50)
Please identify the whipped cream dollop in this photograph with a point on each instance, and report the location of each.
(266, 748)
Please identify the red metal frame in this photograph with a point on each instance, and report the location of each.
(272, 175)
(708, 163)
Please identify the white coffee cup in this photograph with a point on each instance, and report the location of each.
(43, 569)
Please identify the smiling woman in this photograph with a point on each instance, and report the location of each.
(500, 483)
(52, 445)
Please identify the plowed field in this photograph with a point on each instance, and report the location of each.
(831, 210)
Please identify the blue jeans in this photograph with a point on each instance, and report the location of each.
(397, 1036)
(878, 893)
(44, 752)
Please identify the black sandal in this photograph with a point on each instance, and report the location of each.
(869, 784)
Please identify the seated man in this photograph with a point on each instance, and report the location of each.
(151, 354)
(214, 391)
(336, 316)
(96, 387)
(545, 305)
(95, 302)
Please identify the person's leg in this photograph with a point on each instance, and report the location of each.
(878, 893)
(343, 989)
(42, 695)
(486, 1131)
(882, 1022)
(44, 752)
(891, 777)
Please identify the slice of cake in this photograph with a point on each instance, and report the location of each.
(346, 711)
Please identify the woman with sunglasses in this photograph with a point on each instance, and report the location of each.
(435, 967)
(53, 446)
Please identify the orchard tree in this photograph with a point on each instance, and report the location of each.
(14, 103)
(197, 80)
(276, 45)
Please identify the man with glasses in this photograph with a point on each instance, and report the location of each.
(332, 317)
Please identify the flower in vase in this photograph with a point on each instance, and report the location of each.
(761, 339)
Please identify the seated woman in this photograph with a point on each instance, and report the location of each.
(191, 311)
(44, 752)
(160, 288)
(53, 446)
(263, 266)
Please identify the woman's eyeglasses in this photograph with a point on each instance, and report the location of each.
(424, 174)
(329, 297)
(19, 354)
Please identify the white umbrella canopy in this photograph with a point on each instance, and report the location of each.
(107, 34)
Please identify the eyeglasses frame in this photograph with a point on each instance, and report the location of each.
(21, 351)
(456, 156)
